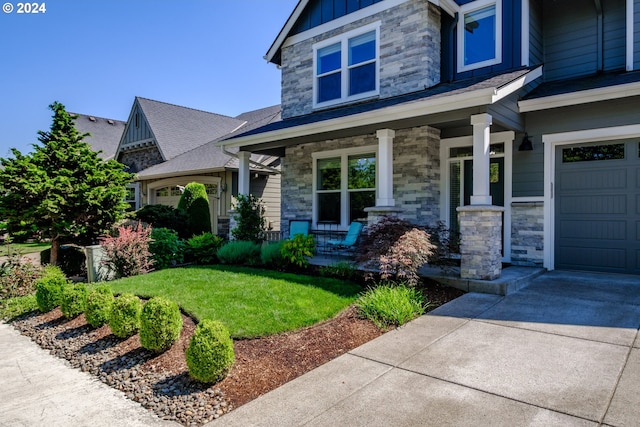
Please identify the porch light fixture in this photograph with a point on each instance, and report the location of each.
(526, 144)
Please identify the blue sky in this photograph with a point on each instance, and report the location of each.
(95, 56)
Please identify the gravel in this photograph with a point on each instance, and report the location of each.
(171, 396)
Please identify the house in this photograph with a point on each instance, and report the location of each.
(168, 146)
(516, 122)
(104, 134)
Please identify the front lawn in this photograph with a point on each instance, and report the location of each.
(23, 248)
(250, 302)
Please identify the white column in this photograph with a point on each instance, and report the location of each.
(481, 157)
(385, 167)
(244, 175)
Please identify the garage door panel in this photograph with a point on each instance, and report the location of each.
(601, 230)
(607, 179)
(593, 258)
(614, 204)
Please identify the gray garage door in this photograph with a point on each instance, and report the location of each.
(597, 207)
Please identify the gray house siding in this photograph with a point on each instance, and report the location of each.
(409, 56)
(527, 175)
(614, 41)
(536, 49)
(267, 188)
(138, 129)
(636, 36)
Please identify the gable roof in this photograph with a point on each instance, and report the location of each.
(208, 157)
(105, 133)
(180, 129)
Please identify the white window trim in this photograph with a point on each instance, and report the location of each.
(343, 39)
(344, 171)
(505, 138)
(136, 194)
(470, 7)
(553, 140)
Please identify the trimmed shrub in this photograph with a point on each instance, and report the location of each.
(18, 306)
(71, 260)
(240, 252)
(49, 289)
(195, 203)
(162, 216)
(160, 324)
(396, 248)
(127, 254)
(250, 219)
(99, 304)
(74, 300)
(166, 248)
(389, 305)
(298, 250)
(201, 249)
(125, 315)
(210, 353)
(271, 255)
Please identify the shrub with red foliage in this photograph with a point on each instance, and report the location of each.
(396, 248)
(127, 253)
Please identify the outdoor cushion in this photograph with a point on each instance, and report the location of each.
(351, 238)
(298, 227)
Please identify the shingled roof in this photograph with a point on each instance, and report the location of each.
(180, 129)
(208, 157)
(105, 133)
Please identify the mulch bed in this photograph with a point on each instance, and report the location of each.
(161, 382)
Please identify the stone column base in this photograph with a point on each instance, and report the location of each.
(375, 213)
(480, 242)
(232, 222)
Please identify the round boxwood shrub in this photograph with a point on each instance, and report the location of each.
(49, 291)
(99, 304)
(74, 300)
(160, 324)
(210, 354)
(125, 315)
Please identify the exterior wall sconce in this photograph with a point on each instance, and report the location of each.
(526, 144)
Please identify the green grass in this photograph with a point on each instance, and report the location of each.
(391, 305)
(250, 302)
(23, 248)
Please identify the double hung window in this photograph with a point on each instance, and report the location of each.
(345, 184)
(346, 67)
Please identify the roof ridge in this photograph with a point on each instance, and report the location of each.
(186, 108)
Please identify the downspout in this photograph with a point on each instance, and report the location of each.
(452, 48)
(253, 162)
(600, 35)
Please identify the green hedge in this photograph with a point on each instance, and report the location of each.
(210, 354)
(160, 324)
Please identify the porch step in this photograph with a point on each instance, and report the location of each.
(512, 279)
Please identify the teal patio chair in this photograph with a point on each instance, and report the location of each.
(349, 240)
(298, 227)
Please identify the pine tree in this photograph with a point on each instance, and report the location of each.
(63, 190)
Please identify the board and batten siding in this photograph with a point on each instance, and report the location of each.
(571, 38)
(141, 132)
(636, 36)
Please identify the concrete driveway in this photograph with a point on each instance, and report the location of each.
(563, 351)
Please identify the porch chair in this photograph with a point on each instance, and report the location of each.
(298, 227)
(349, 240)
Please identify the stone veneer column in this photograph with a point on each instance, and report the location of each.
(481, 242)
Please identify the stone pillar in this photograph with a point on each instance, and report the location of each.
(385, 167)
(244, 175)
(232, 223)
(375, 213)
(481, 158)
(480, 242)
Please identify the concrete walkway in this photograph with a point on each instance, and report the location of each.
(562, 352)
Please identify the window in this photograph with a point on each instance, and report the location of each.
(590, 153)
(132, 196)
(480, 35)
(345, 184)
(346, 67)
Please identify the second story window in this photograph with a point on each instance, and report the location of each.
(346, 67)
(480, 35)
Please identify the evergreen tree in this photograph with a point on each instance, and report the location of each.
(63, 190)
(195, 203)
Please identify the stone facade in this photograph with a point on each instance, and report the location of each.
(480, 242)
(527, 234)
(141, 159)
(409, 55)
(416, 175)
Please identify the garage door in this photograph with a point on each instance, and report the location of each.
(597, 207)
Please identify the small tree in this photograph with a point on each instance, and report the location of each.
(250, 220)
(63, 190)
(195, 203)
